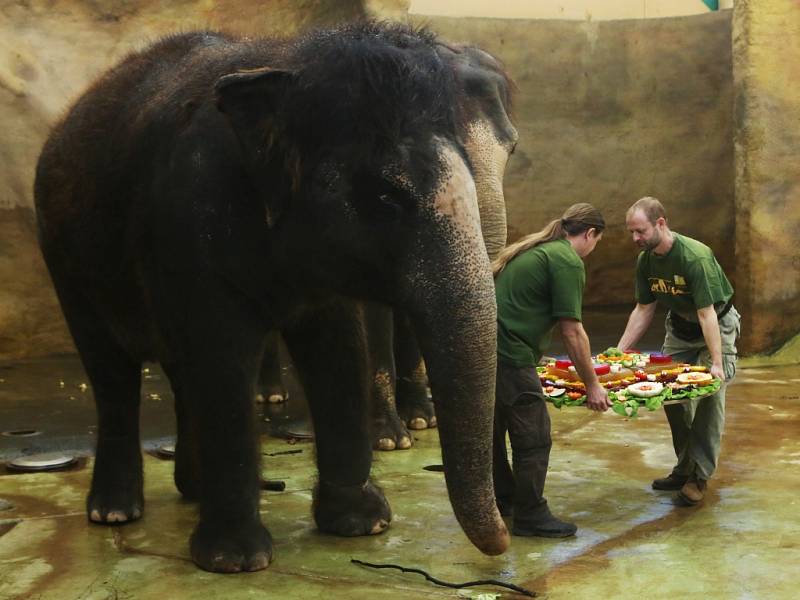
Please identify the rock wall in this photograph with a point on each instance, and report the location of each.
(612, 111)
(607, 112)
(766, 59)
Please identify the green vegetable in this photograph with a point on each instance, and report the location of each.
(576, 402)
(653, 402)
(627, 408)
(705, 390)
(613, 351)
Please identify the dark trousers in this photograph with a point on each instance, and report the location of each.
(521, 411)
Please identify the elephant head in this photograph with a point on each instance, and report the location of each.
(488, 135)
(354, 142)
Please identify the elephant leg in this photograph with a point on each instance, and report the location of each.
(326, 345)
(217, 366)
(188, 471)
(388, 430)
(413, 404)
(270, 384)
(116, 494)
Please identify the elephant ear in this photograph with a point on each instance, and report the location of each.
(249, 98)
(251, 94)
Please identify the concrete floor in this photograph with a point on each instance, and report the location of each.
(632, 542)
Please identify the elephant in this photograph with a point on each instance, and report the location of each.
(399, 396)
(210, 189)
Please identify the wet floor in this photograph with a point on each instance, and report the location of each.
(632, 542)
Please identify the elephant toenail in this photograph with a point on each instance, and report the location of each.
(116, 516)
(405, 443)
(418, 423)
(258, 562)
(379, 527)
(386, 444)
(432, 422)
(95, 516)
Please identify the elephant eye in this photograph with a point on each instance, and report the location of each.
(394, 199)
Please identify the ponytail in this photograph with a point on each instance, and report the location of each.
(576, 219)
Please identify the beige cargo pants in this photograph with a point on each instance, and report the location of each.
(697, 425)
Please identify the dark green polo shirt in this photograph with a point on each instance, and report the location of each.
(686, 278)
(535, 289)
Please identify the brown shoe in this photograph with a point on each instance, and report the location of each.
(671, 482)
(692, 492)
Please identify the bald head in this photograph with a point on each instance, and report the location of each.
(647, 223)
(651, 207)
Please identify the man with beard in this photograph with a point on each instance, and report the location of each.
(702, 326)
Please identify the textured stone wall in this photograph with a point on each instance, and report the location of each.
(766, 60)
(607, 112)
(612, 111)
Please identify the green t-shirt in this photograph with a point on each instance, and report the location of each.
(686, 278)
(535, 289)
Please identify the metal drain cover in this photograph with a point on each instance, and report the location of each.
(42, 462)
(166, 450)
(21, 432)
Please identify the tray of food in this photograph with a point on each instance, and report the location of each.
(633, 380)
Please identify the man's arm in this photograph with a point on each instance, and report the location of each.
(710, 326)
(638, 322)
(577, 343)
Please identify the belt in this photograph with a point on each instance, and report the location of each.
(725, 309)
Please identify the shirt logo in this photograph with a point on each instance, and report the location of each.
(679, 280)
(664, 286)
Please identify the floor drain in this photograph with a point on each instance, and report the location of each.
(166, 450)
(21, 432)
(41, 462)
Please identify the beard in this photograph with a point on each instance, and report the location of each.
(652, 242)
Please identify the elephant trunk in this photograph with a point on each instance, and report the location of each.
(489, 155)
(457, 330)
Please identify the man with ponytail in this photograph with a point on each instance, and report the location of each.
(702, 326)
(539, 283)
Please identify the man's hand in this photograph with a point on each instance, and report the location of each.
(597, 398)
(710, 326)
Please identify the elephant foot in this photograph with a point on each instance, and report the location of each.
(223, 548)
(351, 510)
(417, 423)
(413, 405)
(114, 501)
(390, 434)
(116, 494)
(418, 416)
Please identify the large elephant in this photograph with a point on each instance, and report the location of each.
(210, 189)
(399, 383)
